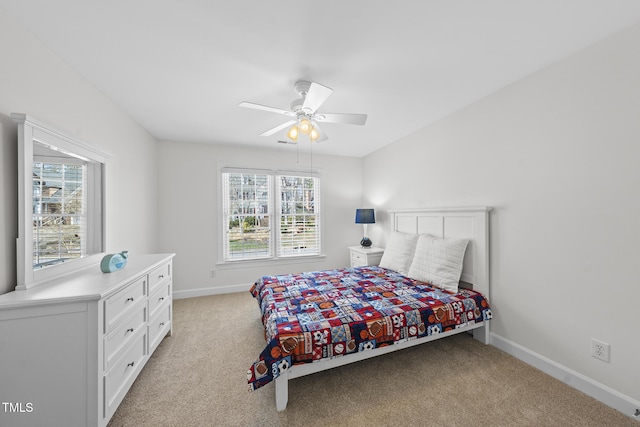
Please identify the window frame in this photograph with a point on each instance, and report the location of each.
(275, 215)
(33, 138)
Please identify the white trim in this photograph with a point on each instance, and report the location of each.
(53, 138)
(578, 381)
(262, 262)
(218, 290)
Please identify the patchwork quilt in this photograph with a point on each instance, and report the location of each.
(325, 314)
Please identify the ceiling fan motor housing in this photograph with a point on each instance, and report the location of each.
(296, 105)
(302, 87)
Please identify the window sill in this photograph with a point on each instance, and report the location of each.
(269, 261)
(58, 271)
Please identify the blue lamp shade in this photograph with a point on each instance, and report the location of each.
(365, 216)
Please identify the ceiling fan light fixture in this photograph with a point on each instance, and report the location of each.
(293, 133)
(314, 134)
(305, 126)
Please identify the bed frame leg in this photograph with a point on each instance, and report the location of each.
(483, 334)
(282, 391)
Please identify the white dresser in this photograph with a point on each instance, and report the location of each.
(70, 349)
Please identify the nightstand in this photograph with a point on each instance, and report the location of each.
(365, 256)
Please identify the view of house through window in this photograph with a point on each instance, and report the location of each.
(267, 215)
(59, 214)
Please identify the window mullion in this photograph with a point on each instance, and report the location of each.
(277, 195)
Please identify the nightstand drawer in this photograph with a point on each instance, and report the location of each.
(358, 259)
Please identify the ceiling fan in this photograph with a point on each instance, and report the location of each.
(304, 115)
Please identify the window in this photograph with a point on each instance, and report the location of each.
(60, 203)
(270, 214)
(298, 215)
(247, 215)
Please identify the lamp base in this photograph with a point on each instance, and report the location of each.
(365, 242)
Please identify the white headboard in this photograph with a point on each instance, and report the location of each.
(469, 223)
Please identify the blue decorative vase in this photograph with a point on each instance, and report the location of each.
(114, 262)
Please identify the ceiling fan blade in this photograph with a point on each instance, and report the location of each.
(246, 104)
(316, 96)
(342, 118)
(277, 128)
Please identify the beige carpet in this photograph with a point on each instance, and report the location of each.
(197, 377)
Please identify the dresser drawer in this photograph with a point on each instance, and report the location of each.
(159, 325)
(159, 276)
(160, 296)
(119, 305)
(119, 379)
(123, 334)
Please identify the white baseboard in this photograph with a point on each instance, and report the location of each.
(598, 391)
(229, 289)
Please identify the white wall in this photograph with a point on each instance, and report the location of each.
(190, 209)
(558, 156)
(36, 82)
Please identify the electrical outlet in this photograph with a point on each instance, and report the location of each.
(600, 350)
(212, 274)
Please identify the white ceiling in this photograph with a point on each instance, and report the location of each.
(180, 67)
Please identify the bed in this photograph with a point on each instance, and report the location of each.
(432, 282)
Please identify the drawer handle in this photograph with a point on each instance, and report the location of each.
(130, 364)
(129, 299)
(129, 330)
(161, 299)
(161, 324)
(161, 276)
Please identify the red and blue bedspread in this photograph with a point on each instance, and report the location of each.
(324, 314)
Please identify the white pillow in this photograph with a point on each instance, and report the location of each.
(438, 261)
(398, 255)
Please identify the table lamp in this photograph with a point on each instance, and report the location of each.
(364, 217)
